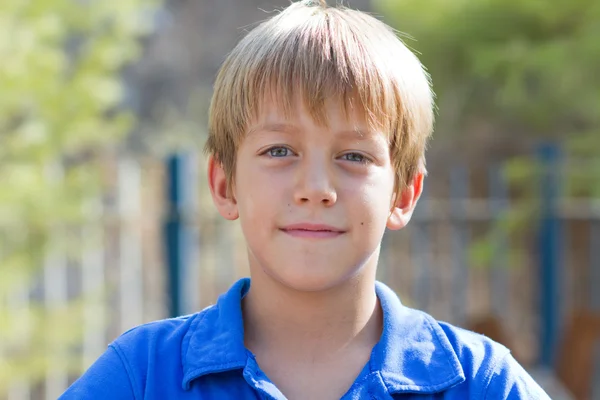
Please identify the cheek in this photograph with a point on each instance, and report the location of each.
(372, 196)
(377, 207)
(259, 196)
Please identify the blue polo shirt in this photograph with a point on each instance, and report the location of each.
(202, 356)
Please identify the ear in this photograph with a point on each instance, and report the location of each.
(403, 203)
(222, 197)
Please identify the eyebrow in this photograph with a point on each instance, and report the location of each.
(356, 134)
(274, 127)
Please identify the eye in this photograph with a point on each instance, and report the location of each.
(355, 157)
(278, 152)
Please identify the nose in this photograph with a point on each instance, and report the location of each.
(314, 183)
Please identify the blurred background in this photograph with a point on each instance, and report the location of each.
(106, 220)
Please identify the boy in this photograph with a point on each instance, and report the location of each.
(318, 127)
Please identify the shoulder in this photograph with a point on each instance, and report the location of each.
(489, 367)
(126, 370)
(157, 338)
(472, 349)
(157, 349)
(467, 353)
(164, 331)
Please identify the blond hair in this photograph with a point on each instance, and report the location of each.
(320, 53)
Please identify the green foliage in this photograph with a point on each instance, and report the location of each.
(60, 105)
(527, 68)
(524, 64)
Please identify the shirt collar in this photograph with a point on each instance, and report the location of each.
(414, 353)
(215, 340)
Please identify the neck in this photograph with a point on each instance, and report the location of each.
(312, 324)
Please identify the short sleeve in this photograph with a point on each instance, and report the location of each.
(509, 381)
(107, 378)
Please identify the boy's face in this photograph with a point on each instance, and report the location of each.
(313, 200)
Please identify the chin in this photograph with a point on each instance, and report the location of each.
(307, 281)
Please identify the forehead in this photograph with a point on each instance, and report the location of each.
(334, 113)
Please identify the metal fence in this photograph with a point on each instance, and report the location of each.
(155, 247)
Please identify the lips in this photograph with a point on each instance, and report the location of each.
(312, 231)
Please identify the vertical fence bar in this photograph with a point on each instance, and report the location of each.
(191, 278)
(18, 303)
(549, 251)
(55, 295)
(181, 238)
(459, 182)
(499, 272)
(92, 285)
(173, 231)
(594, 281)
(421, 252)
(131, 283)
(226, 258)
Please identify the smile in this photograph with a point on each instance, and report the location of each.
(312, 231)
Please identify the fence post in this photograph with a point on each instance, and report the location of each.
(499, 273)
(131, 277)
(93, 283)
(459, 192)
(179, 235)
(421, 252)
(549, 250)
(55, 275)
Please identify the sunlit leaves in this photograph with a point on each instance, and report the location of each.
(61, 107)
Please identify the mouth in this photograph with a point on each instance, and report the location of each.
(312, 231)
